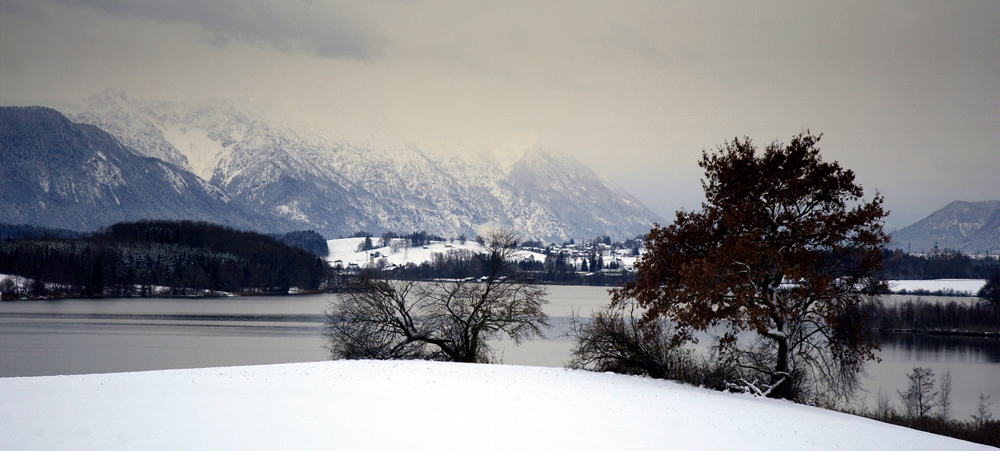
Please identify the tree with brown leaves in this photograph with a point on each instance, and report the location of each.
(785, 247)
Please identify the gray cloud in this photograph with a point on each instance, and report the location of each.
(905, 92)
(326, 29)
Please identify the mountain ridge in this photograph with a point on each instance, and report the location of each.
(338, 188)
(293, 174)
(57, 173)
(970, 227)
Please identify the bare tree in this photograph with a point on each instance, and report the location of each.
(451, 320)
(615, 340)
(944, 398)
(920, 397)
(883, 406)
(983, 414)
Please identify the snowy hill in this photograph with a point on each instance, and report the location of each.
(338, 187)
(418, 405)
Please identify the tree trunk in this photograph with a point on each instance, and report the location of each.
(781, 380)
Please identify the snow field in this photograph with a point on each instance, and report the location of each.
(345, 250)
(969, 286)
(417, 405)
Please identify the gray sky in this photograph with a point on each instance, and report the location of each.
(907, 93)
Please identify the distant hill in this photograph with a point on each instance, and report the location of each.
(970, 227)
(60, 174)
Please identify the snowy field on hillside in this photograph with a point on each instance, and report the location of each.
(417, 405)
(959, 286)
(345, 250)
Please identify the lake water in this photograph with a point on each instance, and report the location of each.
(115, 335)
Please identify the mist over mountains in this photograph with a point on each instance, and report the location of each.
(226, 162)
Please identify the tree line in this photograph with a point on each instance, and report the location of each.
(158, 257)
(19, 231)
(464, 263)
(919, 315)
(898, 265)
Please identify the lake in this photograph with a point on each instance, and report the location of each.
(79, 336)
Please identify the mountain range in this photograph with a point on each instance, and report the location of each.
(110, 158)
(970, 227)
(61, 174)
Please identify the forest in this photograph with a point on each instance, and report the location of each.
(918, 315)
(898, 265)
(175, 258)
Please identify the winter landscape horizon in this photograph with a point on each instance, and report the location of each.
(203, 203)
(272, 178)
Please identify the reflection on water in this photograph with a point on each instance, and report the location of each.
(940, 348)
(974, 365)
(248, 325)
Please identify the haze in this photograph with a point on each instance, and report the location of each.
(907, 94)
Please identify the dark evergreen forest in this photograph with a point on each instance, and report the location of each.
(898, 265)
(134, 258)
(16, 232)
(307, 240)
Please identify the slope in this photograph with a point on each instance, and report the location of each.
(418, 405)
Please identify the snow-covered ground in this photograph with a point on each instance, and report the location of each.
(963, 286)
(417, 405)
(17, 279)
(345, 251)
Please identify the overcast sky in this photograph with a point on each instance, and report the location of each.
(907, 94)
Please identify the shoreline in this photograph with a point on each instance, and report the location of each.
(943, 332)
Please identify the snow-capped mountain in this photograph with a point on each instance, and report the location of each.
(57, 173)
(971, 227)
(338, 187)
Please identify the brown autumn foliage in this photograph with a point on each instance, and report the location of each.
(784, 246)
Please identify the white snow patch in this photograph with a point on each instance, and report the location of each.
(21, 281)
(345, 250)
(176, 181)
(968, 286)
(417, 405)
(291, 210)
(203, 153)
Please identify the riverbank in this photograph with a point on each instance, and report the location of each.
(18, 289)
(417, 405)
(943, 332)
